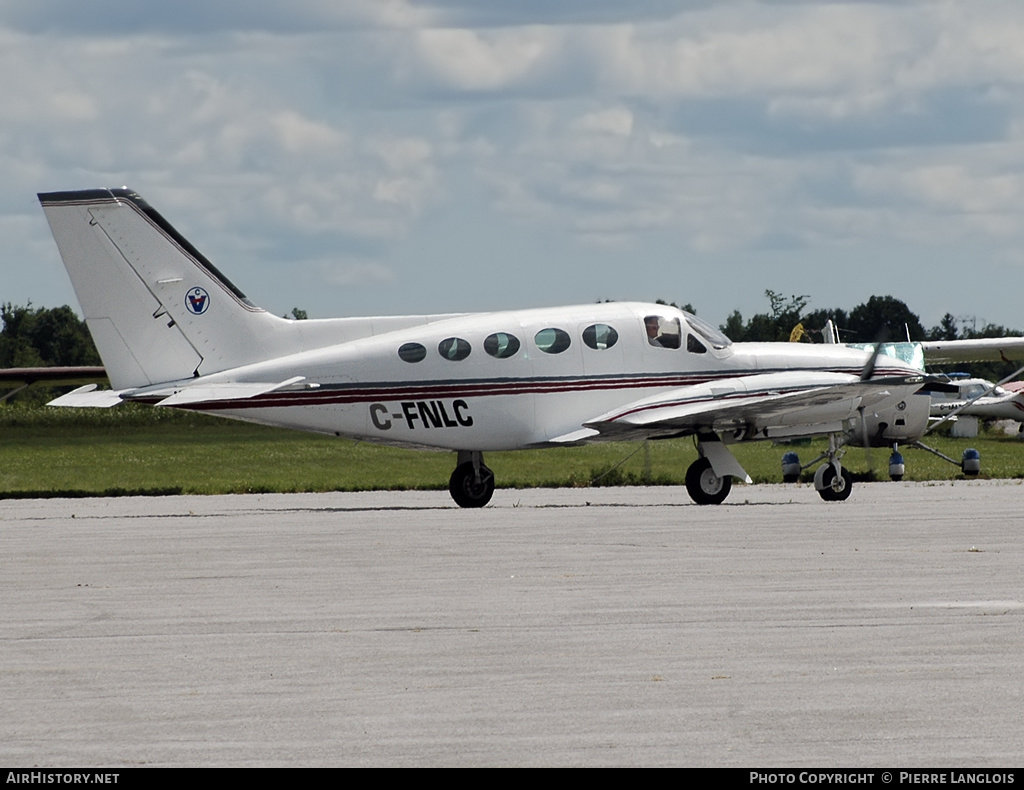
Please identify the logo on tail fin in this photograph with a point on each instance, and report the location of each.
(197, 300)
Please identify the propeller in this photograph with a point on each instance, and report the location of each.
(865, 374)
(869, 368)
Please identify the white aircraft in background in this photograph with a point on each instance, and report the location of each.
(979, 398)
(173, 331)
(948, 397)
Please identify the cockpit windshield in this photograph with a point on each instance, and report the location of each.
(708, 332)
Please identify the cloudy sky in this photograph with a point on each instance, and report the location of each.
(390, 156)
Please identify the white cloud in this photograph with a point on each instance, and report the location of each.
(475, 60)
(721, 53)
(298, 134)
(950, 200)
(613, 120)
(401, 153)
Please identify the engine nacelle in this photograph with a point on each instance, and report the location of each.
(894, 420)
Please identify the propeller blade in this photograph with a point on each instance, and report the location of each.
(869, 369)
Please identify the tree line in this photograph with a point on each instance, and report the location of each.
(884, 315)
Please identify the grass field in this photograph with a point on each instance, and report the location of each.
(139, 450)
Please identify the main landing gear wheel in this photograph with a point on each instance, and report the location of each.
(465, 489)
(830, 491)
(704, 486)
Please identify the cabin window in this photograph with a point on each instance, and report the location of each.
(552, 341)
(412, 352)
(501, 345)
(600, 336)
(662, 332)
(454, 348)
(694, 346)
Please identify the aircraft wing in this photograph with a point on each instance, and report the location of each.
(769, 405)
(987, 349)
(17, 379)
(13, 377)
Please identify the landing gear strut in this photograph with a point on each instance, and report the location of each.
(969, 463)
(472, 483)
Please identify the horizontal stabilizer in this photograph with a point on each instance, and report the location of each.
(88, 397)
(204, 393)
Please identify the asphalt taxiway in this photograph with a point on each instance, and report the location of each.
(555, 627)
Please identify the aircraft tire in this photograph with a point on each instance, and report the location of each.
(828, 493)
(704, 486)
(466, 491)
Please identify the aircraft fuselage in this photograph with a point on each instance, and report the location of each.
(458, 383)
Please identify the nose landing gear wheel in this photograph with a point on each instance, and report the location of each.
(830, 491)
(465, 489)
(704, 486)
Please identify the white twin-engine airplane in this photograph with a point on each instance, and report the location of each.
(173, 331)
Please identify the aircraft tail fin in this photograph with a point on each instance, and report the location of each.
(157, 309)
